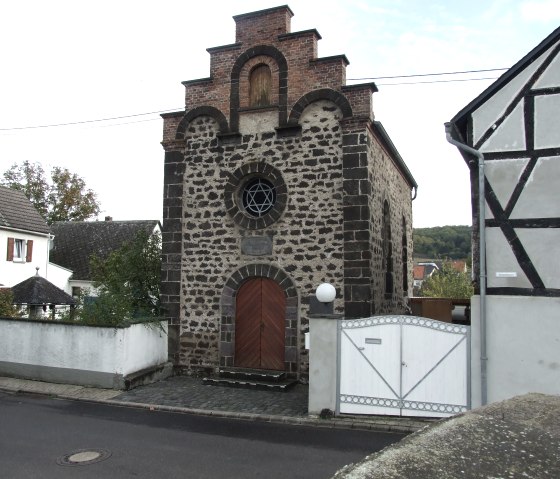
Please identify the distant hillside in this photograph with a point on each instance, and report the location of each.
(452, 242)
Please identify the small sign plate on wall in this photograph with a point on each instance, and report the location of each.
(256, 245)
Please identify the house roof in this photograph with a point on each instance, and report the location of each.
(419, 272)
(460, 119)
(37, 290)
(424, 270)
(17, 212)
(459, 265)
(76, 241)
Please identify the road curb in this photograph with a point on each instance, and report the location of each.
(335, 423)
(377, 425)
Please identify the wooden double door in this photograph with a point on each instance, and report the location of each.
(260, 325)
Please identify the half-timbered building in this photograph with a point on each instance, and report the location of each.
(515, 125)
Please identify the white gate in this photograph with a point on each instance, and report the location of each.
(403, 365)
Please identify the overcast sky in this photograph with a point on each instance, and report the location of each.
(73, 61)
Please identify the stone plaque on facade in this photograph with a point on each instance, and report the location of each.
(256, 245)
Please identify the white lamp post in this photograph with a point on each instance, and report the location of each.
(325, 293)
(322, 342)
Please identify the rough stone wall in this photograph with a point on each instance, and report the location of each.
(388, 184)
(307, 240)
(333, 173)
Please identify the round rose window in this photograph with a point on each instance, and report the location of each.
(259, 196)
(255, 195)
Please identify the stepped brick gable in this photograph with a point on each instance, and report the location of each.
(276, 169)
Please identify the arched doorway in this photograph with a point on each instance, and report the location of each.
(260, 333)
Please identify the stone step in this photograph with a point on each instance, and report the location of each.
(280, 385)
(244, 374)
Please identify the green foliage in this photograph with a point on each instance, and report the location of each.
(7, 308)
(452, 242)
(63, 197)
(128, 285)
(448, 283)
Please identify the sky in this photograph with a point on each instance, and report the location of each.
(123, 62)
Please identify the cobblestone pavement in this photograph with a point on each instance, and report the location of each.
(189, 395)
(188, 392)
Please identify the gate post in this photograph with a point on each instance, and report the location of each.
(323, 362)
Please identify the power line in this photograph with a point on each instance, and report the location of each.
(431, 74)
(437, 81)
(87, 121)
(55, 125)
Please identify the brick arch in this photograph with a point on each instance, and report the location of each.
(201, 111)
(260, 50)
(244, 82)
(323, 94)
(229, 294)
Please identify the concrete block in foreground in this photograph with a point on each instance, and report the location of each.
(519, 437)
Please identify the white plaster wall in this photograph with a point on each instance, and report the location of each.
(12, 273)
(543, 248)
(59, 276)
(500, 259)
(523, 346)
(488, 113)
(510, 135)
(85, 348)
(503, 176)
(541, 196)
(258, 122)
(86, 286)
(144, 346)
(547, 134)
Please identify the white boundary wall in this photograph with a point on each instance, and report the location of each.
(84, 355)
(523, 346)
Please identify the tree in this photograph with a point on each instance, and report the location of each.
(127, 282)
(63, 197)
(7, 308)
(448, 282)
(442, 242)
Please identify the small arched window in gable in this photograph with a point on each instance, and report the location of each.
(260, 86)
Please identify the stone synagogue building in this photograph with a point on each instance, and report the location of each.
(277, 178)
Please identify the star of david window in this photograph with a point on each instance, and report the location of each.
(259, 196)
(255, 195)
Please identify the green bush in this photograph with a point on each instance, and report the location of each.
(448, 283)
(7, 308)
(127, 282)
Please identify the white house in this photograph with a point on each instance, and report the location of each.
(24, 238)
(510, 138)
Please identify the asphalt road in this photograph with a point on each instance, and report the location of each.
(39, 435)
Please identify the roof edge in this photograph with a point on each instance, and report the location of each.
(388, 143)
(505, 78)
(21, 230)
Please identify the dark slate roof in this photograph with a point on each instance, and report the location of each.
(16, 211)
(37, 290)
(76, 241)
(460, 119)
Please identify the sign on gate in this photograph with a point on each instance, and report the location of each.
(403, 365)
